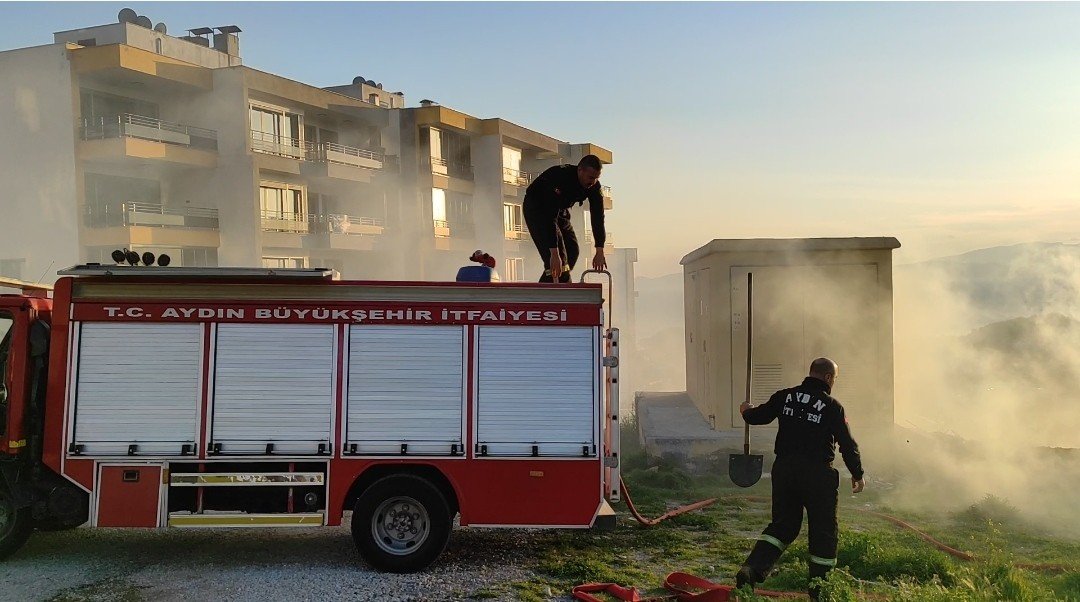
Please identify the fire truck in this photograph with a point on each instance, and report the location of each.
(150, 397)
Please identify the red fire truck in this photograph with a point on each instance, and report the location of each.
(155, 397)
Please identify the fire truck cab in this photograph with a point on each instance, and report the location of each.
(150, 397)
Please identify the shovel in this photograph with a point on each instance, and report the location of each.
(745, 468)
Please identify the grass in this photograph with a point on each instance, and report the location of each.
(875, 558)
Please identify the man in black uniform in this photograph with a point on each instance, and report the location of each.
(811, 421)
(547, 214)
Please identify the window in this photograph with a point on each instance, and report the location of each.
(515, 269)
(511, 165)
(282, 202)
(284, 262)
(438, 163)
(275, 131)
(513, 220)
(201, 257)
(96, 107)
(438, 207)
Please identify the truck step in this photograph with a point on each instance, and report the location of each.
(245, 479)
(243, 519)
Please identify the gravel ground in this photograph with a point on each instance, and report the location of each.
(279, 564)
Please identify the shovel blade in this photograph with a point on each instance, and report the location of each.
(745, 469)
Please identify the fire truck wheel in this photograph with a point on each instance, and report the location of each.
(401, 523)
(16, 525)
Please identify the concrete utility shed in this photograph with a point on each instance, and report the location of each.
(811, 297)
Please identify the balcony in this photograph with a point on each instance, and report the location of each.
(516, 177)
(115, 139)
(609, 201)
(608, 241)
(517, 232)
(137, 223)
(453, 169)
(312, 231)
(285, 221)
(337, 161)
(442, 228)
(277, 145)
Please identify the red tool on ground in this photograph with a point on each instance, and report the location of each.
(682, 587)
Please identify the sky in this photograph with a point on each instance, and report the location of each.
(950, 126)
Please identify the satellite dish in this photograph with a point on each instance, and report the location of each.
(127, 15)
(370, 82)
(379, 85)
(144, 22)
(160, 28)
(359, 79)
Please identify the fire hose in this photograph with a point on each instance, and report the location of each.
(683, 585)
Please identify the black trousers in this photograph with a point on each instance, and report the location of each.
(799, 484)
(538, 220)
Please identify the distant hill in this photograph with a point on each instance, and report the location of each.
(1019, 299)
(1000, 283)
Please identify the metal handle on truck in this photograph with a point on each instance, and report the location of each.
(610, 361)
(609, 318)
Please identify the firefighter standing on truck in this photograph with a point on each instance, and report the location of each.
(811, 421)
(547, 214)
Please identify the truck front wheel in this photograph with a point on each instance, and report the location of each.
(16, 524)
(401, 523)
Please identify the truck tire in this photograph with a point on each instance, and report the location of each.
(16, 525)
(401, 523)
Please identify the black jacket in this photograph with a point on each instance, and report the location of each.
(811, 423)
(557, 189)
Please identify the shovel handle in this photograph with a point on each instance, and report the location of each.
(749, 353)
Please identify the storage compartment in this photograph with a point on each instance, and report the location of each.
(128, 496)
(537, 390)
(138, 389)
(273, 389)
(405, 390)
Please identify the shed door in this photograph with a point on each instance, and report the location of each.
(137, 384)
(273, 384)
(406, 387)
(800, 313)
(537, 386)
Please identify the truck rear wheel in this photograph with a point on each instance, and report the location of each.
(16, 524)
(401, 523)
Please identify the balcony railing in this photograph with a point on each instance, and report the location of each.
(517, 177)
(607, 240)
(516, 231)
(340, 223)
(606, 191)
(454, 169)
(155, 215)
(276, 144)
(331, 152)
(310, 223)
(127, 125)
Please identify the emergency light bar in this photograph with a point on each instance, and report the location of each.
(142, 271)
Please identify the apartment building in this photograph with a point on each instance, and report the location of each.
(125, 136)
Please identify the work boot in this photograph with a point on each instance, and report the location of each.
(745, 576)
(564, 277)
(760, 562)
(546, 277)
(817, 571)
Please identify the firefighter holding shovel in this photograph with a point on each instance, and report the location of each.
(547, 214)
(811, 423)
